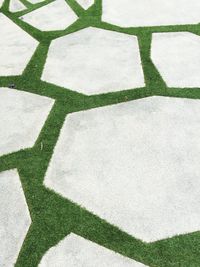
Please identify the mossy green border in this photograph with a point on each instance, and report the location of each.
(53, 217)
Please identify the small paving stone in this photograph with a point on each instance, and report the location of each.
(85, 3)
(14, 217)
(16, 47)
(22, 117)
(54, 16)
(35, 1)
(16, 5)
(93, 61)
(75, 251)
(177, 57)
(135, 164)
(136, 13)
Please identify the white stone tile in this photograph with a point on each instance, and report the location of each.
(94, 61)
(16, 5)
(129, 13)
(177, 57)
(75, 251)
(16, 47)
(135, 164)
(1, 3)
(85, 3)
(22, 117)
(54, 16)
(35, 1)
(14, 217)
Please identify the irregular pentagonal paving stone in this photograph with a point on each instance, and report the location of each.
(94, 61)
(22, 117)
(14, 217)
(85, 3)
(54, 16)
(75, 251)
(16, 47)
(129, 13)
(16, 5)
(177, 57)
(134, 164)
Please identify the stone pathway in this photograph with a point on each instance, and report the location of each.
(99, 133)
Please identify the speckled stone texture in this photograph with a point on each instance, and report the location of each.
(94, 61)
(177, 57)
(16, 47)
(51, 17)
(129, 13)
(22, 117)
(85, 3)
(75, 251)
(14, 217)
(134, 164)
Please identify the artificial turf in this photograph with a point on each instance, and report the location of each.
(54, 217)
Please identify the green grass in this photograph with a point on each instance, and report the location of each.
(53, 217)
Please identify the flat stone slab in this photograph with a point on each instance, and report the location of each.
(14, 220)
(35, 1)
(75, 251)
(134, 164)
(1, 2)
(16, 47)
(16, 5)
(129, 13)
(22, 118)
(85, 3)
(93, 61)
(51, 17)
(177, 57)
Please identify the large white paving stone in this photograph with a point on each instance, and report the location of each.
(22, 116)
(85, 3)
(177, 57)
(94, 61)
(135, 164)
(54, 16)
(135, 13)
(16, 5)
(75, 251)
(14, 217)
(16, 47)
